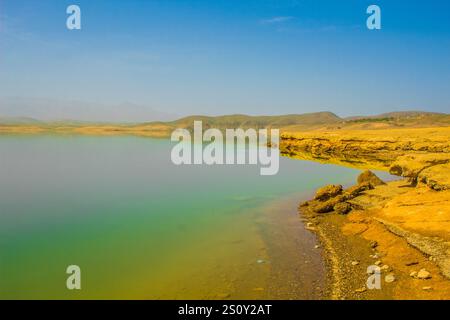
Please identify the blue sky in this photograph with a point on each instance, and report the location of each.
(133, 58)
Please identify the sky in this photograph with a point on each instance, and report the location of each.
(139, 60)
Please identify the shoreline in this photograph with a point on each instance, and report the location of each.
(298, 270)
(401, 226)
(361, 238)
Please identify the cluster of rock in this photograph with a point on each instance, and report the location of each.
(333, 198)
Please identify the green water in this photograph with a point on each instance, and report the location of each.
(140, 227)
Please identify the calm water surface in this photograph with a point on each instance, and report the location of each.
(140, 227)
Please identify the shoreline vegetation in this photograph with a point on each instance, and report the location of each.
(401, 226)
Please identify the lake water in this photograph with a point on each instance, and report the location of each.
(140, 227)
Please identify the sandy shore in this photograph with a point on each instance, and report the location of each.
(362, 238)
(401, 227)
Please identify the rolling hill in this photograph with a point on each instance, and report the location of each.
(292, 123)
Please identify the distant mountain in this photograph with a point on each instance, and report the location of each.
(52, 110)
(291, 122)
(229, 121)
(18, 120)
(246, 121)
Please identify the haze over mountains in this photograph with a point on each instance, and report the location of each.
(292, 122)
(23, 110)
(19, 108)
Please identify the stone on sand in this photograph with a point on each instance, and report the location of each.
(423, 274)
(370, 177)
(389, 278)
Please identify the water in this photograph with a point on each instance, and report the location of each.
(140, 227)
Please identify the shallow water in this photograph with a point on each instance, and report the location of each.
(140, 227)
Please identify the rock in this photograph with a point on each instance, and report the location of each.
(385, 268)
(411, 166)
(361, 290)
(413, 274)
(436, 177)
(389, 278)
(370, 272)
(223, 295)
(304, 204)
(355, 191)
(427, 288)
(260, 261)
(342, 208)
(423, 274)
(355, 263)
(411, 263)
(323, 208)
(328, 192)
(369, 177)
(316, 247)
(327, 206)
(373, 244)
(378, 263)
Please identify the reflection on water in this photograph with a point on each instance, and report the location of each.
(141, 227)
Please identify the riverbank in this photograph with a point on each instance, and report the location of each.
(401, 227)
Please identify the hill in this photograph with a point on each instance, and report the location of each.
(319, 121)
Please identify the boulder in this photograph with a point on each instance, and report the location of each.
(327, 206)
(390, 278)
(304, 204)
(355, 191)
(342, 208)
(328, 192)
(370, 177)
(423, 274)
(323, 207)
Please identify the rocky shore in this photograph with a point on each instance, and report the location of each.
(376, 149)
(400, 229)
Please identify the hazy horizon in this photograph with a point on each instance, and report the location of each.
(125, 112)
(156, 115)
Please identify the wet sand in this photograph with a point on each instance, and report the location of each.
(298, 270)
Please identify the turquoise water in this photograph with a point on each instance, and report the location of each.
(140, 227)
